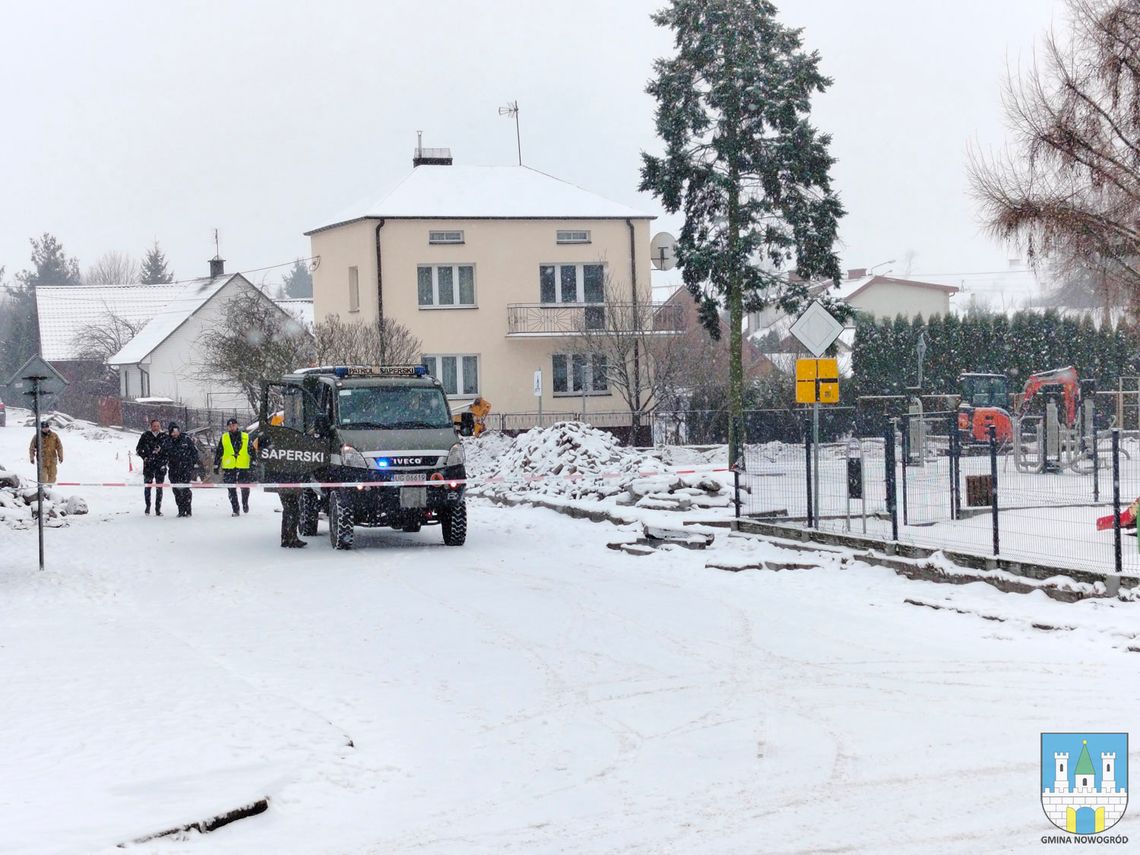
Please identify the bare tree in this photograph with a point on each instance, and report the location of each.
(636, 347)
(99, 341)
(257, 341)
(358, 343)
(1069, 185)
(113, 268)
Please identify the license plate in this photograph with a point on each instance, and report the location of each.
(409, 476)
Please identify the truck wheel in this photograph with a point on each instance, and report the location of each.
(340, 521)
(453, 521)
(310, 512)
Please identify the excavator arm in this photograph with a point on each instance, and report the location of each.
(1069, 381)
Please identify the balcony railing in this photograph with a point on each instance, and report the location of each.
(569, 319)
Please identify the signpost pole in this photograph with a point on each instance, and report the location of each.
(815, 454)
(39, 466)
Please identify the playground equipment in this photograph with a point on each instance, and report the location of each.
(1057, 446)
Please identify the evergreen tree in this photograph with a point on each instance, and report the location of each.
(154, 270)
(745, 164)
(19, 321)
(298, 281)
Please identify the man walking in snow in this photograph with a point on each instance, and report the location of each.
(232, 456)
(52, 452)
(152, 448)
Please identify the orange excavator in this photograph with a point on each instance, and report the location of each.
(986, 401)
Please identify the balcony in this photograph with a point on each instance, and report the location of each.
(571, 319)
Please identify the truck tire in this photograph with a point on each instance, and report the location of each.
(310, 512)
(340, 521)
(453, 521)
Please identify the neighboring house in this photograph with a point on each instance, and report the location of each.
(493, 269)
(163, 359)
(300, 308)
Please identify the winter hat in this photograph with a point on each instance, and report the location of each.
(231, 422)
(45, 423)
(174, 425)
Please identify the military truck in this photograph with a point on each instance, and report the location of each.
(385, 430)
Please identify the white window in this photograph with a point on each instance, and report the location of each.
(445, 237)
(572, 283)
(458, 372)
(353, 289)
(445, 285)
(575, 373)
(572, 236)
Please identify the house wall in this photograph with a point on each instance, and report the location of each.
(506, 255)
(888, 299)
(174, 366)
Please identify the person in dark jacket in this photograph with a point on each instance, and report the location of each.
(183, 460)
(152, 449)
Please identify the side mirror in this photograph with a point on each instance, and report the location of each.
(466, 424)
(321, 425)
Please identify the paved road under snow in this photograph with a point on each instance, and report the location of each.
(532, 691)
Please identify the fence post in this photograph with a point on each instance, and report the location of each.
(905, 461)
(994, 485)
(955, 469)
(1096, 464)
(807, 468)
(736, 488)
(889, 462)
(1117, 557)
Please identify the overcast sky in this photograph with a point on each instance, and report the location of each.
(129, 121)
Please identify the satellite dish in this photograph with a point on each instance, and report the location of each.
(663, 251)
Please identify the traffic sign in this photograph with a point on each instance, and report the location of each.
(37, 372)
(817, 381)
(816, 329)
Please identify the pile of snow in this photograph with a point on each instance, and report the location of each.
(19, 507)
(576, 461)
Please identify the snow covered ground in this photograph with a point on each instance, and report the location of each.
(532, 691)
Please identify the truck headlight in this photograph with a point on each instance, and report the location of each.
(455, 457)
(349, 456)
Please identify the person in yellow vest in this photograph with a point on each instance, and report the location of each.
(232, 457)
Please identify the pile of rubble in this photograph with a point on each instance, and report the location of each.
(19, 507)
(576, 461)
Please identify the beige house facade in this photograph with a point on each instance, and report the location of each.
(495, 270)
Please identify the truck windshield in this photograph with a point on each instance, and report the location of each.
(392, 408)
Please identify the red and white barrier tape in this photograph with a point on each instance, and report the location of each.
(361, 485)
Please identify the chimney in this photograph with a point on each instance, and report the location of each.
(429, 156)
(856, 272)
(217, 267)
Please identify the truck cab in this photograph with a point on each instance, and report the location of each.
(369, 445)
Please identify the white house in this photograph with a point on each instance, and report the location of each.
(163, 360)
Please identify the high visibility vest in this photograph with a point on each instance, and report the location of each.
(235, 459)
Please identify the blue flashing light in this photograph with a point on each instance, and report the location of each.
(382, 463)
(341, 371)
(421, 371)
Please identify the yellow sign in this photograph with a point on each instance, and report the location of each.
(817, 381)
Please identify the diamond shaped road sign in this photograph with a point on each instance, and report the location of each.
(51, 382)
(817, 329)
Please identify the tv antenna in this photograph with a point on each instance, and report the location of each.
(512, 110)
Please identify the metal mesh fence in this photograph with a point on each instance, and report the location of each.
(1041, 492)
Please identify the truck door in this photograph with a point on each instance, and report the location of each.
(295, 448)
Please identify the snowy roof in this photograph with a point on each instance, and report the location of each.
(190, 297)
(499, 192)
(848, 288)
(301, 308)
(64, 310)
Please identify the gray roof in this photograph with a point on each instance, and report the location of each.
(189, 297)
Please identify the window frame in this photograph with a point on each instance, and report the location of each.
(455, 284)
(579, 283)
(460, 373)
(436, 237)
(562, 236)
(354, 288)
(589, 375)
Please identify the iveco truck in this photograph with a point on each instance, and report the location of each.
(368, 445)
